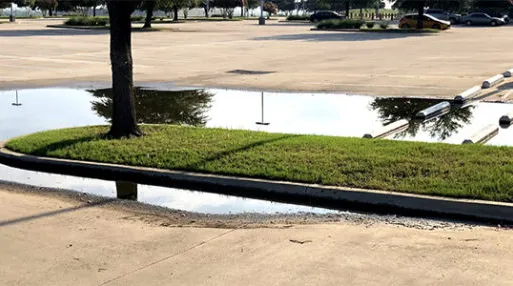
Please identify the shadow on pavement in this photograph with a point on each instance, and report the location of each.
(340, 36)
(54, 213)
(52, 32)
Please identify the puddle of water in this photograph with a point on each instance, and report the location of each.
(306, 113)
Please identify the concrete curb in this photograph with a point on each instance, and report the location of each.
(310, 194)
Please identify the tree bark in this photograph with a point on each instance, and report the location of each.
(50, 12)
(242, 9)
(206, 11)
(94, 11)
(124, 122)
(149, 14)
(348, 8)
(175, 12)
(420, 16)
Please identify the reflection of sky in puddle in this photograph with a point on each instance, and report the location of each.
(306, 113)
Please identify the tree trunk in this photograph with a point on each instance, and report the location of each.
(50, 12)
(242, 10)
(149, 14)
(94, 11)
(348, 8)
(361, 13)
(420, 16)
(175, 12)
(206, 11)
(124, 122)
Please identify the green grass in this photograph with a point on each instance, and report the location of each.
(466, 171)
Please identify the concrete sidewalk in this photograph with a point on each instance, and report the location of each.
(46, 240)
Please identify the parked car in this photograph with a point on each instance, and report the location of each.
(481, 19)
(444, 15)
(325, 15)
(496, 14)
(429, 22)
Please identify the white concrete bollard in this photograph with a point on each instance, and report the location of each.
(434, 110)
(483, 135)
(493, 81)
(508, 73)
(467, 94)
(394, 127)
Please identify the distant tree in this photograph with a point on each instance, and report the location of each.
(165, 5)
(191, 4)
(4, 5)
(148, 6)
(205, 4)
(251, 4)
(226, 6)
(270, 8)
(286, 5)
(46, 5)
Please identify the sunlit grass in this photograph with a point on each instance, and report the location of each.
(468, 171)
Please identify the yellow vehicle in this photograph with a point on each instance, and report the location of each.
(430, 22)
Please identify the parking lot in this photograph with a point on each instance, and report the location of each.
(278, 56)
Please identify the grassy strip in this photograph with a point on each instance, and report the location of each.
(465, 171)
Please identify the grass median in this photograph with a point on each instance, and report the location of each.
(463, 171)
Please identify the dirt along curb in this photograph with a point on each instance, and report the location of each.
(309, 194)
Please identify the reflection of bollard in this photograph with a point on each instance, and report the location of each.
(484, 135)
(126, 191)
(394, 127)
(433, 111)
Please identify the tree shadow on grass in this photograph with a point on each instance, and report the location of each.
(341, 36)
(43, 151)
(226, 153)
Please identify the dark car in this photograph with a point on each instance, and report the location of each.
(444, 15)
(325, 15)
(496, 14)
(482, 19)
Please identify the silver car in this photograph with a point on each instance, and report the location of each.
(481, 19)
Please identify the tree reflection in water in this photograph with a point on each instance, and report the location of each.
(187, 107)
(441, 128)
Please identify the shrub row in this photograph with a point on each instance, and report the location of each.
(382, 24)
(87, 21)
(341, 24)
(298, 18)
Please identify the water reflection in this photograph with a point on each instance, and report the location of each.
(439, 128)
(187, 107)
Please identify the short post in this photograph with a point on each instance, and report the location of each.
(11, 17)
(261, 20)
(17, 103)
(262, 122)
(126, 190)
